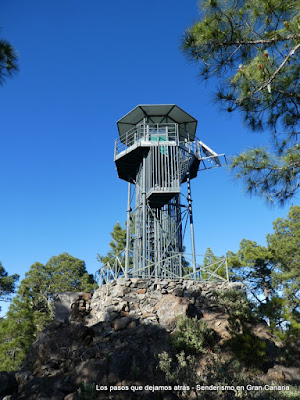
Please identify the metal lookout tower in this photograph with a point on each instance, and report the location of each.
(156, 153)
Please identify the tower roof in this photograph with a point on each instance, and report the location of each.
(158, 113)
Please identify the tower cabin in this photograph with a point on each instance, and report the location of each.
(162, 138)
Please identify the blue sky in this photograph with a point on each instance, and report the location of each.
(83, 65)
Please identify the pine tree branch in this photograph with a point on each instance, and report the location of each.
(246, 286)
(273, 76)
(273, 11)
(269, 168)
(288, 94)
(228, 59)
(261, 41)
(257, 41)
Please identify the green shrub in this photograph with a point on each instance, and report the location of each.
(192, 335)
(179, 370)
(249, 350)
(229, 372)
(239, 309)
(217, 371)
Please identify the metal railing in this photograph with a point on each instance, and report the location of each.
(115, 268)
(155, 133)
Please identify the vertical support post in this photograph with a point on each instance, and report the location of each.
(155, 256)
(191, 224)
(128, 232)
(146, 129)
(144, 217)
(180, 265)
(227, 273)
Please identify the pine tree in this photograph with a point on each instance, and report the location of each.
(62, 273)
(32, 308)
(272, 272)
(255, 266)
(252, 47)
(8, 61)
(7, 284)
(117, 245)
(17, 332)
(213, 264)
(285, 245)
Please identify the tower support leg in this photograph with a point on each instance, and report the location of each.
(144, 218)
(128, 232)
(227, 272)
(192, 226)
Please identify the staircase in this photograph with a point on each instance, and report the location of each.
(186, 161)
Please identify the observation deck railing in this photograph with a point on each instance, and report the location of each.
(159, 134)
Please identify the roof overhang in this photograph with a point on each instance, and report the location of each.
(158, 113)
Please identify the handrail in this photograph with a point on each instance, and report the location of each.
(115, 268)
(155, 134)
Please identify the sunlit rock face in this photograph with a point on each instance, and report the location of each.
(154, 301)
(113, 336)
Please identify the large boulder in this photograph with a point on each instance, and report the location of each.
(218, 321)
(282, 374)
(55, 343)
(170, 307)
(63, 304)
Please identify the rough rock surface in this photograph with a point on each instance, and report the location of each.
(72, 305)
(114, 337)
(154, 301)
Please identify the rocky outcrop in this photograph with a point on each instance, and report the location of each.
(73, 306)
(155, 302)
(66, 355)
(282, 374)
(113, 338)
